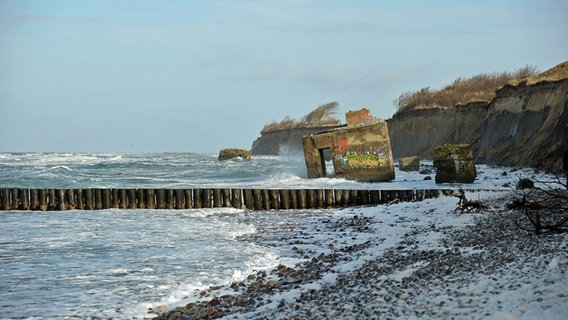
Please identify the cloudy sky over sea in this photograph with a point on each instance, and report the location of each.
(139, 76)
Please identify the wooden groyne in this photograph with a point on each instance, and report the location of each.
(253, 199)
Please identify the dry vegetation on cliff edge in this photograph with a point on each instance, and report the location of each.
(320, 116)
(480, 87)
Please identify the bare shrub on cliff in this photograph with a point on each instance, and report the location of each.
(320, 116)
(322, 113)
(287, 123)
(480, 87)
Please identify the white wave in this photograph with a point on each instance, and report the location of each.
(241, 231)
(60, 168)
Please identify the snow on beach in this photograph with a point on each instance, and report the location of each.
(406, 260)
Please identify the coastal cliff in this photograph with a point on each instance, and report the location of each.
(525, 124)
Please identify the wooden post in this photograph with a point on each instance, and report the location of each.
(257, 199)
(217, 200)
(179, 201)
(265, 199)
(34, 199)
(140, 199)
(5, 195)
(236, 198)
(160, 198)
(402, 195)
(188, 198)
(338, 197)
(60, 196)
(98, 199)
(346, 197)
(198, 198)
(284, 199)
(42, 200)
(106, 198)
(274, 199)
(248, 197)
(302, 199)
(329, 198)
(320, 200)
(354, 196)
(70, 198)
(122, 202)
(294, 199)
(80, 199)
(15, 201)
(363, 196)
(384, 196)
(419, 195)
(131, 198)
(226, 198)
(393, 195)
(169, 198)
(25, 199)
(88, 196)
(114, 198)
(375, 197)
(311, 199)
(150, 198)
(206, 201)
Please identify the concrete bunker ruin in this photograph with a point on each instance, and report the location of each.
(359, 151)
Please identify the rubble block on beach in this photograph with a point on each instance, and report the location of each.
(409, 164)
(454, 163)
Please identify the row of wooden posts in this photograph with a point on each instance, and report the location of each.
(254, 199)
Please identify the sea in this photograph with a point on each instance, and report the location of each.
(130, 264)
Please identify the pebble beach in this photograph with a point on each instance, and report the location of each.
(420, 260)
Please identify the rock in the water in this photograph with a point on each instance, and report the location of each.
(227, 154)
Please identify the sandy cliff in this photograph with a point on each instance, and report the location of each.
(524, 125)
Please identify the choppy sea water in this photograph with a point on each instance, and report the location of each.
(119, 263)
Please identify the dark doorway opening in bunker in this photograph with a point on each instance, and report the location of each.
(325, 156)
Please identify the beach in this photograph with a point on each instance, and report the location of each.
(420, 260)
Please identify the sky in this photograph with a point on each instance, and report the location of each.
(204, 75)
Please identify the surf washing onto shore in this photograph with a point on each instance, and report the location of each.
(134, 264)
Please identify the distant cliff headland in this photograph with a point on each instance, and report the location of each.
(521, 123)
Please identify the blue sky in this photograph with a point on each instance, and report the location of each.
(200, 76)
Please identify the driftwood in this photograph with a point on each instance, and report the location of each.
(466, 205)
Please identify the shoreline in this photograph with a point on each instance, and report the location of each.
(407, 260)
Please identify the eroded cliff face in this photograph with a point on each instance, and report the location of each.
(417, 132)
(524, 125)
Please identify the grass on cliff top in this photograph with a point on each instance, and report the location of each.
(480, 87)
(320, 116)
(557, 73)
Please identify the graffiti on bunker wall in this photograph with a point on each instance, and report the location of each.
(369, 159)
